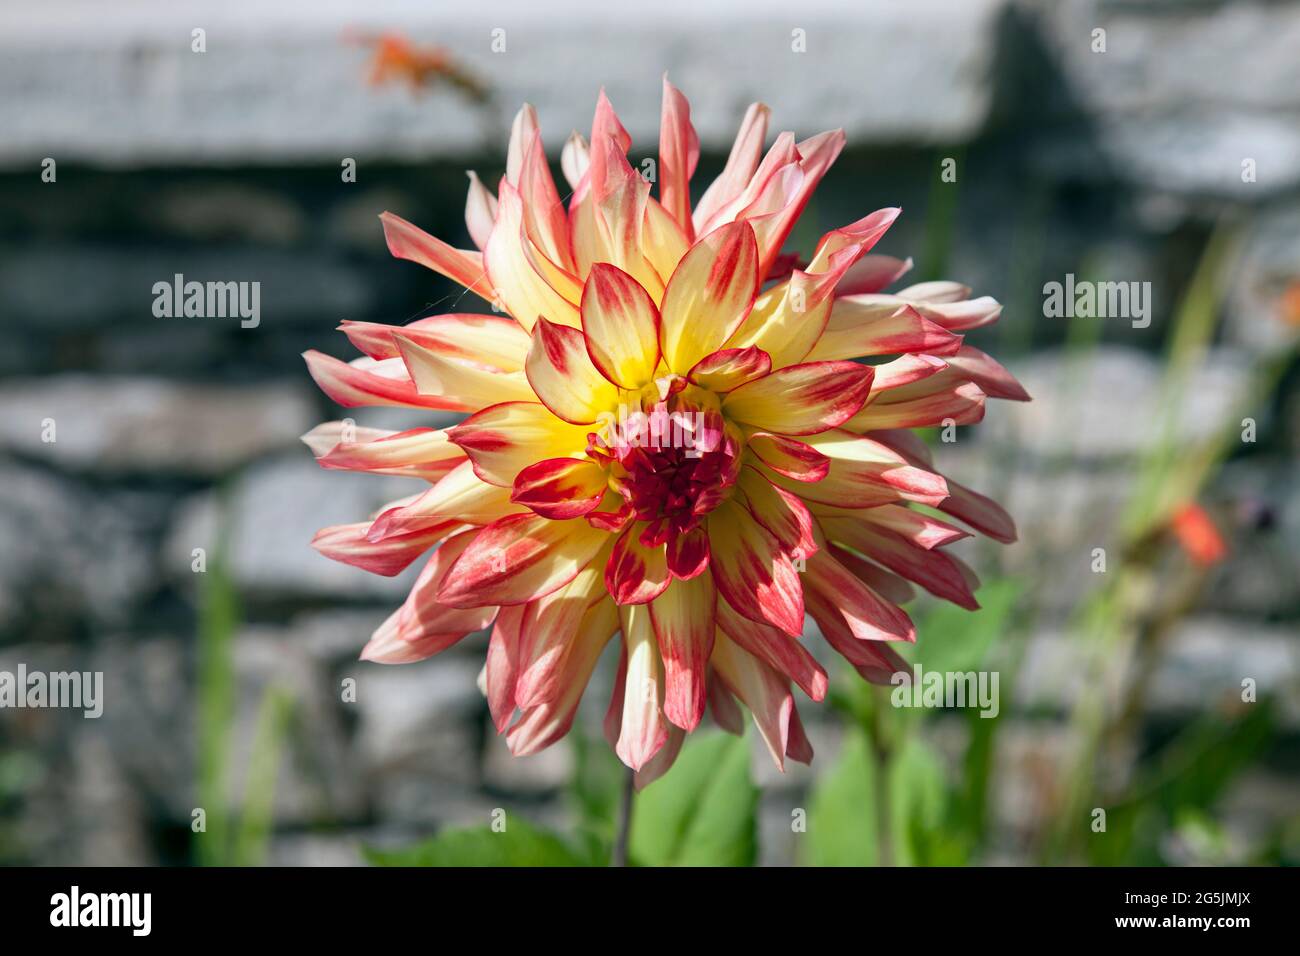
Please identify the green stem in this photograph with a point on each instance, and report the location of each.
(624, 831)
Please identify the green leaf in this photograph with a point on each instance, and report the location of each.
(950, 638)
(842, 814)
(520, 844)
(918, 799)
(1188, 776)
(703, 812)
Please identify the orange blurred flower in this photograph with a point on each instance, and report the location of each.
(1289, 304)
(397, 60)
(1198, 535)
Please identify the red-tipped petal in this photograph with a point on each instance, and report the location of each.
(763, 690)
(518, 559)
(708, 296)
(683, 620)
(679, 152)
(643, 730)
(560, 487)
(563, 376)
(752, 572)
(621, 324)
(407, 241)
(636, 574)
(349, 544)
(789, 457)
(780, 651)
(502, 440)
(688, 553)
(726, 369)
(802, 399)
(365, 382)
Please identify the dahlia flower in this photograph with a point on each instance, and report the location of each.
(672, 437)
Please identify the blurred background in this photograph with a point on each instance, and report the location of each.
(1163, 149)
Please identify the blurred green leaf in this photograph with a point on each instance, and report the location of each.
(1185, 780)
(703, 812)
(218, 619)
(258, 805)
(952, 639)
(595, 790)
(842, 813)
(520, 844)
(918, 801)
(597, 780)
(971, 808)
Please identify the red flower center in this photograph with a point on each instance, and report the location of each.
(671, 467)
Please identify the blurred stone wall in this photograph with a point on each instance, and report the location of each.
(176, 434)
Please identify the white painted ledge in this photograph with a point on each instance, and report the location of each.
(117, 83)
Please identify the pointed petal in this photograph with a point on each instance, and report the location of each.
(364, 383)
(548, 629)
(802, 399)
(460, 497)
(349, 544)
(636, 573)
(562, 374)
(752, 572)
(885, 583)
(480, 210)
(502, 666)
(723, 706)
(621, 200)
(422, 627)
(494, 341)
(560, 487)
(761, 689)
(520, 558)
(889, 326)
(683, 620)
(662, 762)
(502, 440)
(522, 130)
(545, 221)
(417, 453)
(933, 570)
(905, 370)
(920, 529)
(789, 319)
(688, 554)
(779, 511)
(679, 152)
(994, 380)
(783, 653)
(868, 616)
(406, 241)
(621, 325)
(741, 164)
(575, 157)
(787, 456)
(470, 386)
(798, 747)
(545, 723)
(663, 241)
(872, 273)
(708, 296)
(865, 473)
(515, 280)
(816, 153)
(961, 404)
(643, 730)
(876, 661)
(726, 369)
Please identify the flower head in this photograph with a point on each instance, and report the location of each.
(676, 434)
